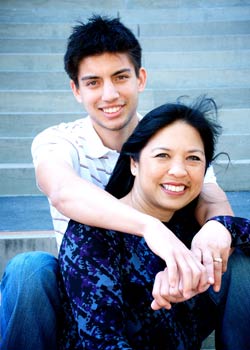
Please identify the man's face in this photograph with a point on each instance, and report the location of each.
(109, 89)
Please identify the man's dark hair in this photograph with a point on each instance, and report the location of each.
(99, 35)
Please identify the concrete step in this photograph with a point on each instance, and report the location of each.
(196, 43)
(240, 143)
(185, 14)
(197, 59)
(164, 43)
(30, 124)
(62, 30)
(15, 150)
(19, 179)
(18, 149)
(166, 78)
(53, 62)
(233, 175)
(137, 12)
(109, 4)
(193, 77)
(32, 212)
(225, 97)
(19, 62)
(13, 243)
(62, 100)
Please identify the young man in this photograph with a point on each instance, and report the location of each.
(73, 162)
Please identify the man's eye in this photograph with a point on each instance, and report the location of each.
(122, 77)
(91, 83)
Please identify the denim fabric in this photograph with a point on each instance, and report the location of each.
(233, 329)
(30, 303)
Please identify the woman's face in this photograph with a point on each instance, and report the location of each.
(170, 171)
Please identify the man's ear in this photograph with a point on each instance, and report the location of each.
(133, 166)
(142, 79)
(76, 91)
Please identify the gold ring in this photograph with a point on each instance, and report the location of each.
(219, 260)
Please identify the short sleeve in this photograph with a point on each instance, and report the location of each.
(50, 144)
(210, 175)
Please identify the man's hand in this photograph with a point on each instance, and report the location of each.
(213, 241)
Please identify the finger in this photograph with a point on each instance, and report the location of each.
(197, 253)
(161, 286)
(173, 275)
(157, 285)
(224, 256)
(203, 283)
(186, 283)
(197, 273)
(207, 260)
(217, 275)
(155, 306)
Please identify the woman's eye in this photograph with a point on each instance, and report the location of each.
(162, 155)
(194, 158)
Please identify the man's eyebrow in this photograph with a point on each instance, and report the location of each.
(124, 70)
(89, 77)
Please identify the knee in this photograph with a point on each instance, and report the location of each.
(32, 266)
(239, 263)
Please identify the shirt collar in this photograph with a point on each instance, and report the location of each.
(94, 145)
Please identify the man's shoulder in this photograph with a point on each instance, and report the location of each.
(75, 127)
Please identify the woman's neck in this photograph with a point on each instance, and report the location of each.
(160, 214)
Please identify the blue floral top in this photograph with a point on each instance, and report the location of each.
(109, 277)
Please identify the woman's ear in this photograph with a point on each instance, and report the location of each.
(133, 167)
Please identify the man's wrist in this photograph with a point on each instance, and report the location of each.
(238, 227)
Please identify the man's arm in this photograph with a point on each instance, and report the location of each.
(212, 202)
(86, 203)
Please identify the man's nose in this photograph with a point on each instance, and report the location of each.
(110, 92)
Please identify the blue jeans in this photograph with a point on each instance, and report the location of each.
(30, 302)
(233, 301)
(31, 308)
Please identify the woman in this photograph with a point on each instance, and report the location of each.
(160, 172)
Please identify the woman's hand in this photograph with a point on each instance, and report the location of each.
(211, 245)
(161, 292)
(185, 272)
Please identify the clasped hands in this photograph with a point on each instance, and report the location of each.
(194, 272)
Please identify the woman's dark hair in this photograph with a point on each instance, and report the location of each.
(100, 35)
(196, 115)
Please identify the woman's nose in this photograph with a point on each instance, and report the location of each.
(177, 169)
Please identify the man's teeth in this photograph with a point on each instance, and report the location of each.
(111, 109)
(174, 188)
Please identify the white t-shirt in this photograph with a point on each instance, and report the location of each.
(78, 144)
